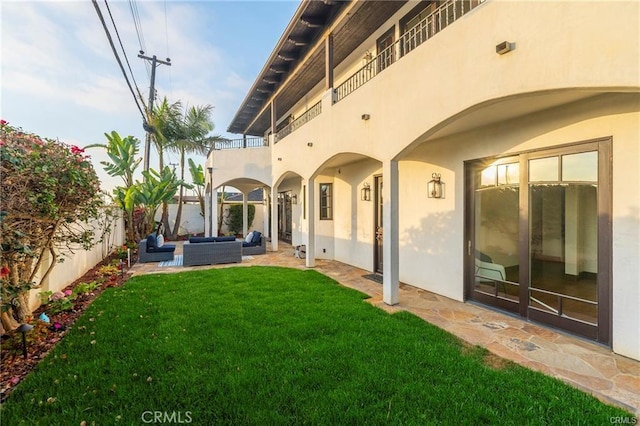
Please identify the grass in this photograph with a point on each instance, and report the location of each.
(265, 345)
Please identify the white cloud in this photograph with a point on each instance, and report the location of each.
(60, 78)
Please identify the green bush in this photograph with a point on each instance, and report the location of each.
(234, 217)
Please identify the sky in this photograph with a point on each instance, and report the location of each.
(59, 77)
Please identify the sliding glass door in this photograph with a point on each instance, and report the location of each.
(538, 227)
(496, 253)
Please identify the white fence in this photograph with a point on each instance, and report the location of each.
(76, 264)
(192, 221)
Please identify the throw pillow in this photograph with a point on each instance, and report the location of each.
(249, 237)
(256, 237)
(159, 240)
(151, 242)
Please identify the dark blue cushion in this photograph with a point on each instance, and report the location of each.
(165, 248)
(246, 244)
(151, 242)
(194, 240)
(225, 239)
(256, 237)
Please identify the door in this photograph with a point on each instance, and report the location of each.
(539, 236)
(284, 216)
(377, 245)
(496, 240)
(385, 49)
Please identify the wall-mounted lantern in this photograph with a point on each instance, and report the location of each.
(365, 192)
(435, 187)
(294, 199)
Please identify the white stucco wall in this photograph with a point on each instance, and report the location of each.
(76, 264)
(454, 99)
(432, 230)
(458, 70)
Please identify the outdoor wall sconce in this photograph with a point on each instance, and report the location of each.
(365, 117)
(294, 199)
(368, 57)
(279, 158)
(365, 192)
(504, 47)
(435, 187)
(309, 144)
(23, 328)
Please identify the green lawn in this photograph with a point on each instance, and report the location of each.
(270, 346)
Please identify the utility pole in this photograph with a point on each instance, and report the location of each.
(155, 62)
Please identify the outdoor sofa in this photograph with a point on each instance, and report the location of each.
(255, 243)
(152, 250)
(211, 251)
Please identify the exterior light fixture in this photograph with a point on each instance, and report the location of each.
(365, 192)
(279, 158)
(23, 328)
(366, 59)
(504, 47)
(121, 266)
(435, 187)
(294, 199)
(365, 117)
(309, 144)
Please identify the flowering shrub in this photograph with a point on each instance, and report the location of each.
(48, 190)
(83, 288)
(108, 270)
(121, 252)
(57, 302)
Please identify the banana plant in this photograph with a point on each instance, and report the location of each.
(155, 189)
(122, 152)
(197, 177)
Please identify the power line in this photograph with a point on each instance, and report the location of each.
(125, 54)
(115, 53)
(138, 26)
(155, 62)
(166, 32)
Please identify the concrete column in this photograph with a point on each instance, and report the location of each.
(214, 212)
(311, 223)
(245, 213)
(265, 211)
(274, 218)
(207, 211)
(390, 231)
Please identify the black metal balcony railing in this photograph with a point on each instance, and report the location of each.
(309, 115)
(241, 143)
(447, 13)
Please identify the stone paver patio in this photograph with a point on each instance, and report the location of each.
(586, 365)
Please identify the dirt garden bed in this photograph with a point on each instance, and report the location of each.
(44, 336)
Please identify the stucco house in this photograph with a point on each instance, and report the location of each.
(487, 151)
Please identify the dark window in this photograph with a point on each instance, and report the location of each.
(415, 28)
(326, 201)
(385, 49)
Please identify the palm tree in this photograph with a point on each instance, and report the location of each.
(165, 128)
(193, 138)
(164, 123)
